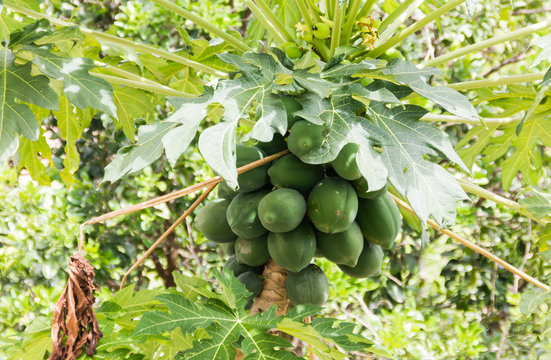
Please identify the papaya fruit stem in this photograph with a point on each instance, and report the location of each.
(273, 291)
(476, 248)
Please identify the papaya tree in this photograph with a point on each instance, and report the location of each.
(336, 135)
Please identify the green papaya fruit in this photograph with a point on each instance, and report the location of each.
(344, 247)
(228, 248)
(308, 286)
(379, 220)
(332, 205)
(362, 189)
(212, 223)
(305, 137)
(293, 250)
(255, 178)
(225, 191)
(277, 144)
(252, 282)
(281, 210)
(291, 106)
(369, 263)
(345, 163)
(237, 268)
(242, 214)
(290, 172)
(252, 252)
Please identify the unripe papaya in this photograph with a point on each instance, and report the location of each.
(369, 263)
(212, 223)
(277, 144)
(362, 189)
(293, 250)
(252, 252)
(345, 163)
(305, 137)
(225, 191)
(290, 172)
(321, 30)
(379, 220)
(332, 205)
(343, 247)
(253, 179)
(308, 286)
(291, 106)
(242, 214)
(237, 268)
(228, 248)
(252, 282)
(282, 210)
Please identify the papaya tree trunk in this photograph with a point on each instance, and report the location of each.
(273, 290)
(273, 293)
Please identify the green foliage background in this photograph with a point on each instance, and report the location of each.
(441, 301)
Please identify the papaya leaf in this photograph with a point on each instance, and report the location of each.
(17, 118)
(131, 103)
(30, 33)
(406, 73)
(29, 159)
(225, 321)
(430, 190)
(537, 205)
(81, 88)
(532, 299)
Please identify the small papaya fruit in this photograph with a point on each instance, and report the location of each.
(332, 205)
(242, 214)
(345, 163)
(293, 250)
(308, 286)
(252, 252)
(281, 210)
(253, 179)
(305, 137)
(277, 144)
(291, 107)
(212, 223)
(362, 189)
(252, 282)
(369, 263)
(290, 172)
(237, 268)
(344, 247)
(379, 220)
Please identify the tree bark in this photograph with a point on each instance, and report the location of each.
(273, 292)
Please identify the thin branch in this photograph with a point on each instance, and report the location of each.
(98, 35)
(173, 195)
(526, 256)
(530, 11)
(512, 60)
(490, 42)
(274, 20)
(167, 232)
(476, 248)
(461, 120)
(403, 12)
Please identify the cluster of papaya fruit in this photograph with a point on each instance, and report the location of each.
(291, 211)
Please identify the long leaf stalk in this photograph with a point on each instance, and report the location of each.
(476, 248)
(126, 74)
(489, 42)
(303, 8)
(280, 27)
(403, 15)
(320, 45)
(351, 13)
(199, 21)
(142, 85)
(329, 8)
(366, 8)
(119, 41)
(336, 33)
(390, 43)
(460, 120)
(503, 80)
(313, 10)
(393, 16)
(513, 205)
(261, 16)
